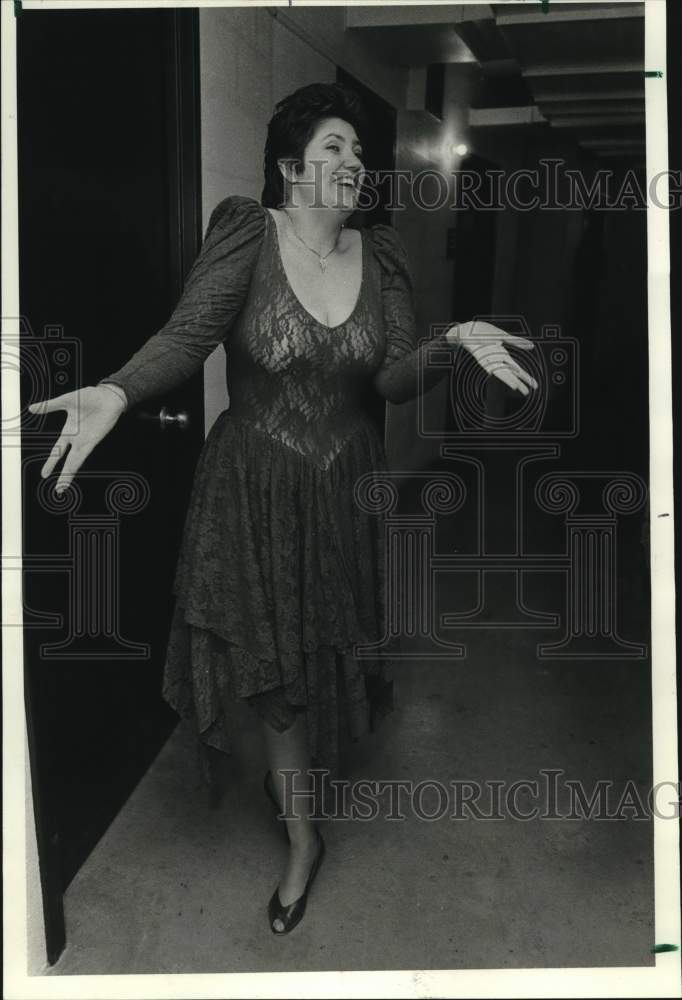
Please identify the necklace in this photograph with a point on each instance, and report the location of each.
(321, 258)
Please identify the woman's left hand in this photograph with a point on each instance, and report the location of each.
(487, 345)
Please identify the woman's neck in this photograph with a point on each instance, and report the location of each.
(319, 227)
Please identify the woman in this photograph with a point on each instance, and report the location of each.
(279, 573)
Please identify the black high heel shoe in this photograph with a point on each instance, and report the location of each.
(269, 788)
(292, 914)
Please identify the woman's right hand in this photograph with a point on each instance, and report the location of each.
(91, 413)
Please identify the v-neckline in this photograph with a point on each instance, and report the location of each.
(274, 231)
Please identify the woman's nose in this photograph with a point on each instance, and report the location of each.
(354, 163)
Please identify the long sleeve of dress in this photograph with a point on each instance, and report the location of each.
(214, 292)
(398, 378)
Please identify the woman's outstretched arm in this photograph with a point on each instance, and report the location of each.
(403, 373)
(214, 292)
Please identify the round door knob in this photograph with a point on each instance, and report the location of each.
(166, 419)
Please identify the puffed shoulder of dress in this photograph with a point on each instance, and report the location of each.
(214, 292)
(405, 371)
(390, 251)
(237, 212)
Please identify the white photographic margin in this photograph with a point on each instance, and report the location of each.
(659, 980)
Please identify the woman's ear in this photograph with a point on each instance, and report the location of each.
(287, 169)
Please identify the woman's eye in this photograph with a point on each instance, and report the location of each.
(337, 148)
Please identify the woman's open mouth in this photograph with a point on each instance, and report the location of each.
(347, 182)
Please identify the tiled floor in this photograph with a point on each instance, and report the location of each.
(177, 887)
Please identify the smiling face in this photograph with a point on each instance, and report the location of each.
(332, 167)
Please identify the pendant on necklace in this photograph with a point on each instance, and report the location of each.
(323, 265)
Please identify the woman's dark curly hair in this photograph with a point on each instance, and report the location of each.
(293, 124)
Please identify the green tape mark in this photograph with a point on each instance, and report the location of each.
(658, 948)
(17, 8)
(545, 6)
(658, 73)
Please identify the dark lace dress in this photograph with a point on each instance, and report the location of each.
(281, 570)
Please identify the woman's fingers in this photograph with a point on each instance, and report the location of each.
(497, 361)
(50, 405)
(506, 376)
(89, 417)
(523, 342)
(497, 364)
(522, 373)
(57, 452)
(488, 348)
(73, 462)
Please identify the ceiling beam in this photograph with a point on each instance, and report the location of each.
(489, 117)
(580, 121)
(601, 106)
(548, 97)
(608, 143)
(578, 12)
(582, 69)
(410, 15)
(633, 154)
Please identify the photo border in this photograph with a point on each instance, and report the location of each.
(660, 980)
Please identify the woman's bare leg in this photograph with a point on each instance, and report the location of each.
(289, 751)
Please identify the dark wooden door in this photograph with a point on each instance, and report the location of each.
(475, 247)
(110, 221)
